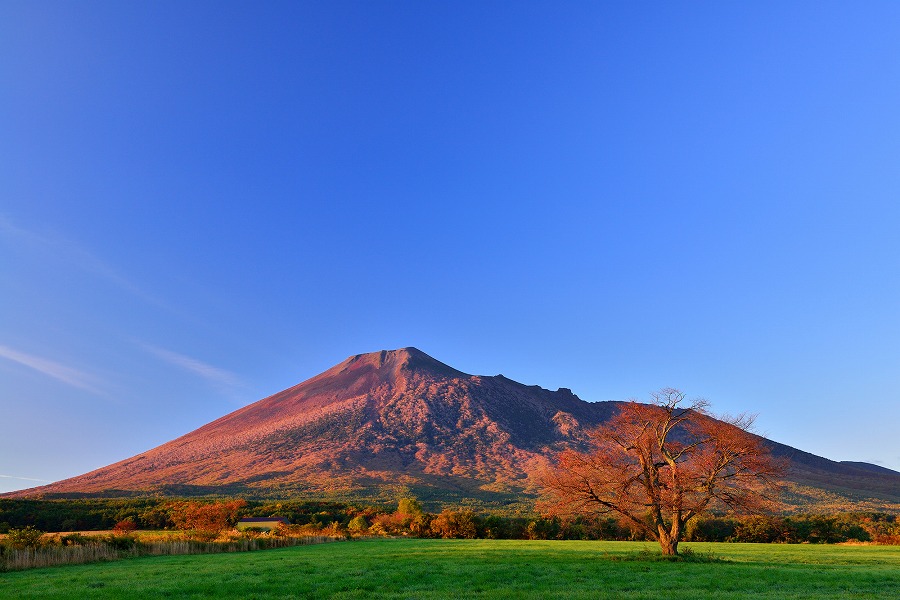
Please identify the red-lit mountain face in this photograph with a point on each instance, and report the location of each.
(390, 417)
(379, 420)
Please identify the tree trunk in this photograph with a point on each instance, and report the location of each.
(668, 544)
(669, 547)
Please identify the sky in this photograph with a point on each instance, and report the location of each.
(204, 203)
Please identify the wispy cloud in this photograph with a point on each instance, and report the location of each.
(67, 251)
(68, 375)
(26, 478)
(214, 375)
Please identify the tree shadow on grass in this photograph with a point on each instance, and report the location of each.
(686, 555)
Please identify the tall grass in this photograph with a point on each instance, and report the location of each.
(118, 547)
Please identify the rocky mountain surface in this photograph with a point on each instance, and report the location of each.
(401, 418)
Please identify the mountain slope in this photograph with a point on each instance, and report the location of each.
(390, 416)
(401, 417)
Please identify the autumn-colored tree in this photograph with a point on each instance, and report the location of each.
(660, 465)
(421, 525)
(409, 507)
(385, 524)
(455, 524)
(125, 526)
(209, 518)
(408, 515)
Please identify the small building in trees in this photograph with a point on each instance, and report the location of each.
(264, 523)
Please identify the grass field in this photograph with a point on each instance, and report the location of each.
(411, 568)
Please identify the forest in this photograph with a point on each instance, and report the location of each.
(407, 518)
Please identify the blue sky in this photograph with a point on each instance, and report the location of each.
(204, 203)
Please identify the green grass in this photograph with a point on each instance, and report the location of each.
(412, 568)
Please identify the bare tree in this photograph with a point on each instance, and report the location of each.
(660, 465)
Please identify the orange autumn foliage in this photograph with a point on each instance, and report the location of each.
(660, 465)
(205, 517)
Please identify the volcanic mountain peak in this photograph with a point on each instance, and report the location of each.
(396, 416)
(395, 361)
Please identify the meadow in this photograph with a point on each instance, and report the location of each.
(426, 568)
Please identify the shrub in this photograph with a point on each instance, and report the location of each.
(358, 524)
(255, 530)
(121, 542)
(74, 539)
(26, 537)
(335, 529)
(125, 526)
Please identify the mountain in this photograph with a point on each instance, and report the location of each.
(401, 418)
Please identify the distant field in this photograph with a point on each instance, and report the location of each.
(411, 568)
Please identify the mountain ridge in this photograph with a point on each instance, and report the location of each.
(401, 417)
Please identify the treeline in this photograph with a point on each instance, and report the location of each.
(408, 518)
(862, 527)
(798, 529)
(154, 513)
